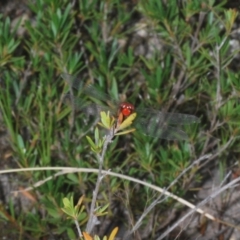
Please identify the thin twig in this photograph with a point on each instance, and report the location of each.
(144, 214)
(78, 228)
(156, 188)
(157, 201)
(213, 195)
(219, 68)
(105, 23)
(219, 151)
(92, 218)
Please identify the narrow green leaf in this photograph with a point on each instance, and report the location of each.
(106, 119)
(66, 202)
(126, 132)
(90, 141)
(127, 122)
(96, 136)
(102, 209)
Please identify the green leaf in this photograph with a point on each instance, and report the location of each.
(114, 89)
(90, 141)
(126, 132)
(106, 119)
(100, 143)
(102, 210)
(68, 207)
(128, 121)
(96, 136)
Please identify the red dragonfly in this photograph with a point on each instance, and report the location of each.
(150, 122)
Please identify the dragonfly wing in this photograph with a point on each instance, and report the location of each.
(85, 87)
(90, 109)
(159, 129)
(73, 81)
(167, 117)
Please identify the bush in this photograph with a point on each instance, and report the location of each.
(177, 56)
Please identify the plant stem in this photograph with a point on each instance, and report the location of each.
(92, 218)
(78, 228)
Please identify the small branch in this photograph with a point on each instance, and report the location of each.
(105, 23)
(78, 228)
(157, 201)
(213, 195)
(218, 67)
(92, 219)
(218, 151)
(118, 175)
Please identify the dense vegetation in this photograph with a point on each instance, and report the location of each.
(175, 56)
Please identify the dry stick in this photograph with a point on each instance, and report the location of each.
(224, 180)
(213, 195)
(143, 215)
(87, 170)
(181, 77)
(105, 23)
(219, 151)
(218, 67)
(157, 201)
(218, 76)
(196, 33)
(195, 45)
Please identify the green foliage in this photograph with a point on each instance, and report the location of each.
(74, 212)
(169, 54)
(9, 44)
(97, 146)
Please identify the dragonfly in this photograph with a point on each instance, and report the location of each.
(150, 122)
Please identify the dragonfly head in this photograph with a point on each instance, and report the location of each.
(126, 109)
